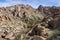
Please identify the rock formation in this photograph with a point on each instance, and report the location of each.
(22, 22)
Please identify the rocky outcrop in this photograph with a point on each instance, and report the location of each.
(52, 14)
(22, 22)
(16, 21)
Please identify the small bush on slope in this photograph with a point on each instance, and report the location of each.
(54, 34)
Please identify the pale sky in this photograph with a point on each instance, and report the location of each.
(33, 3)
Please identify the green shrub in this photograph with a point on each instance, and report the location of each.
(53, 34)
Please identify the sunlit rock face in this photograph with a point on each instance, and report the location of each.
(23, 22)
(17, 21)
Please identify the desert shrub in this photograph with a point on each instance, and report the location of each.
(54, 34)
(30, 22)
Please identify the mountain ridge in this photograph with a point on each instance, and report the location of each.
(23, 22)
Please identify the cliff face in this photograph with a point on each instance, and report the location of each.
(22, 22)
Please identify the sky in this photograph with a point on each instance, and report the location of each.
(33, 3)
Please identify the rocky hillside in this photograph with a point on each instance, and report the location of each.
(22, 22)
